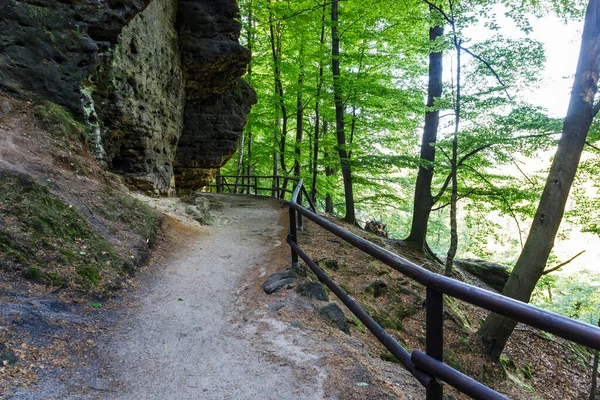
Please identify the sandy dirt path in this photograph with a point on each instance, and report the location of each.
(187, 336)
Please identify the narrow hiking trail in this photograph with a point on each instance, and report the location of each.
(189, 335)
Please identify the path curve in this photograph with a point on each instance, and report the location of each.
(187, 336)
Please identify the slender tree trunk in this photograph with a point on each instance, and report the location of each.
(313, 190)
(315, 156)
(496, 329)
(299, 119)
(250, 40)
(248, 130)
(249, 161)
(454, 194)
(329, 171)
(339, 117)
(594, 388)
(280, 135)
(219, 181)
(240, 163)
(353, 119)
(423, 200)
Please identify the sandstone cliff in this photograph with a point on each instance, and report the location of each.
(157, 82)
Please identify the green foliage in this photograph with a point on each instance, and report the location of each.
(576, 295)
(384, 54)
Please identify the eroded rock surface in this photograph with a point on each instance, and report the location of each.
(217, 101)
(139, 97)
(156, 81)
(210, 135)
(47, 47)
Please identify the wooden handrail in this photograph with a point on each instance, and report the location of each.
(429, 368)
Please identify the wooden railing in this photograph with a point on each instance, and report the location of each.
(254, 185)
(428, 367)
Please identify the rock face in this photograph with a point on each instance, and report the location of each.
(139, 97)
(157, 81)
(47, 47)
(217, 101)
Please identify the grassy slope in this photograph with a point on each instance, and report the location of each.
(79, 231)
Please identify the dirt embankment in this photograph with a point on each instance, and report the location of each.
(70, 236)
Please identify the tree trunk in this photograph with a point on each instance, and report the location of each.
(339, 117)
(249, 161)
(454, 195)
(315, 157)
(240, 163)
(329, 171)
(496, 329)
(313, 190)
(219, 181)
(280, 135)
(423, 200)
(250, 40)
(594, 388)
(299, 120)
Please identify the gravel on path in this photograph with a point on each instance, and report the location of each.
(187, 336)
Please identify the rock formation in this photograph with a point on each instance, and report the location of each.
(139, 97)
(157, 81)
(217, 101)
(47, 46)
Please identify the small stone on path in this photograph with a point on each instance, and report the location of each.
(279, 280)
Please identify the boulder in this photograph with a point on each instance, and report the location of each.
(5, 108)
(495, 275)
(202, 203)
(198, 214)
(312, 290)
(333, 314)
(279, 280)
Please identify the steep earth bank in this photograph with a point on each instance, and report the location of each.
(70, 235)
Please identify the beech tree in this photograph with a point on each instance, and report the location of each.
(423, 198)
(493, 67)
(496, 329)
(339, 117)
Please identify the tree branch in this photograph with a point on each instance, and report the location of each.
(440, 10)
(596, 109)
(489, 66)
(562, 264)
(592, 146)
(447, 204)
(477, 150)
(504, 199)
(521, 171)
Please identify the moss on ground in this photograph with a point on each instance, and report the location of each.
(134, 214)
(50, 241)
(60, 122)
